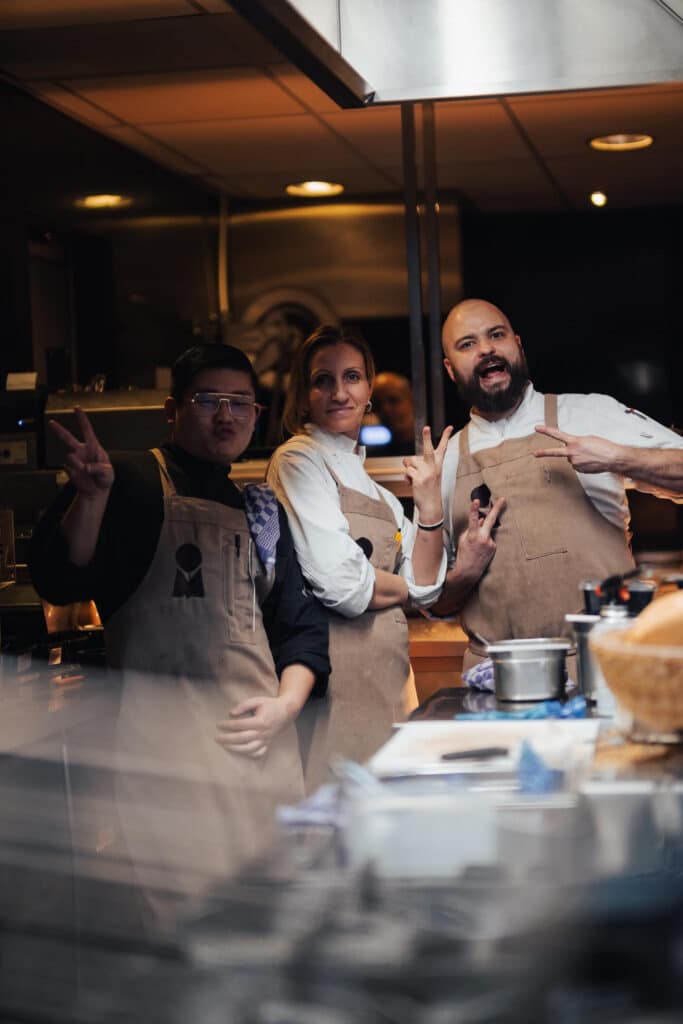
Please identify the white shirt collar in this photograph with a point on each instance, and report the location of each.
(339, 444)
(524, 407)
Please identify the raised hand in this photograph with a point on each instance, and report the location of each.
(424, 473)
(87, 463)
(587, 454)
(476, 546)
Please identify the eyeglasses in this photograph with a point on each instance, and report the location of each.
(207, 403)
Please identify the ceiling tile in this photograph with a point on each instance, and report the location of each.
(187, 96)
(16, 14)
(153, 149)
(562, 125)
(373, 131)
(520, 185)
(303, 88)
(258, 145)
(637, 181)
(475, 131)
(356, 181)
(162, 44)
(75, 106)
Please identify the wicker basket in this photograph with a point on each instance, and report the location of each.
(646, 679)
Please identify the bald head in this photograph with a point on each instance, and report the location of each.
(471, 313)
(484, 357)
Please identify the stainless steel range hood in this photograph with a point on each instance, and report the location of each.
(407, 50)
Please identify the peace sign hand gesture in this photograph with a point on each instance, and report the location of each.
(586, 453)
(424, 473)
(86, 463)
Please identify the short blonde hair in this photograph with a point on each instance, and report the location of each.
(296, 402)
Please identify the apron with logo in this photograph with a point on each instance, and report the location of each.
(550, 537)
(370, 686)
(191, 644)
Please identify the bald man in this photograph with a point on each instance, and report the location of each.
(528, 518)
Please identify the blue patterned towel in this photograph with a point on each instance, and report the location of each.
(260, 505)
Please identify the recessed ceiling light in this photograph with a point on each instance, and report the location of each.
(102, 202)
(620, 142)
(598, 198)
(314, 188)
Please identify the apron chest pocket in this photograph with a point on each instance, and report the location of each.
(535, 497)
(239, 591)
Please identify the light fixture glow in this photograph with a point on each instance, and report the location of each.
(620, 142)
(598, 198)
(102, 202)
(314, 188)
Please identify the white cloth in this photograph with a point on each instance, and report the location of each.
(335, 566)
(599, 415)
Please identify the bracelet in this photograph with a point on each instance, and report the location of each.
(431, 526)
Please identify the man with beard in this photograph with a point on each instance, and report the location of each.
(527, 522)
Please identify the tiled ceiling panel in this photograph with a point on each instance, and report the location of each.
(374, 132)
(310, 95)
(188, 96)
(470, 132)
(523, 185)
(561, 125)
(253, 145)
(357, 181)
(167, 44)
(621, 176)
(33, 13)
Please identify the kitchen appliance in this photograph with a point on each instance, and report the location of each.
(529, 669)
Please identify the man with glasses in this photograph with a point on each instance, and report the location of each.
(205, 611)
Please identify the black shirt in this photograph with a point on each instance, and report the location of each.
(295, 623)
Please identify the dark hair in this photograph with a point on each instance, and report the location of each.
(296, 402)
(213, 356)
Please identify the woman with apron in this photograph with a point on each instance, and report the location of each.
(363, 559)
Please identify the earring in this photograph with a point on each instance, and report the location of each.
(368, 407)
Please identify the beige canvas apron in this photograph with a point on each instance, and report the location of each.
(191, 644)
(550, 538)
(370, 686)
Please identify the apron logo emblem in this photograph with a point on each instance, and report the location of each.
(365, 545)
(188, 577)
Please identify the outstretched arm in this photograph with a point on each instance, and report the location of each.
(658, 467)
(92, 474)
(476, 548)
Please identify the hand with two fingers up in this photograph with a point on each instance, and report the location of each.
(586, 453)
(424, 473)
(87, 463)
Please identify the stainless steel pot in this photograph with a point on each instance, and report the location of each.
(533, 669)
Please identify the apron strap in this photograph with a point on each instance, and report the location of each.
(464, 441)
(167, 485)
(550, 410)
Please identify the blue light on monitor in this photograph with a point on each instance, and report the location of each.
(375, 434)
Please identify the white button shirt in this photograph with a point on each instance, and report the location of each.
(599, 415)
(335, 566)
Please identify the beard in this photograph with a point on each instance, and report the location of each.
(499, 399)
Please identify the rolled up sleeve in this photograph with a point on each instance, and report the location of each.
(339, 574)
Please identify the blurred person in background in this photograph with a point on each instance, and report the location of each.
(362, 557)
(392, 402)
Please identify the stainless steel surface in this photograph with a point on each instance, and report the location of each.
(351, 256)
(530, 669)
(414, 290)
(452, 48)
(585, 663)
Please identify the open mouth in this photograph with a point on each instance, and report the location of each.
(493, 370)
